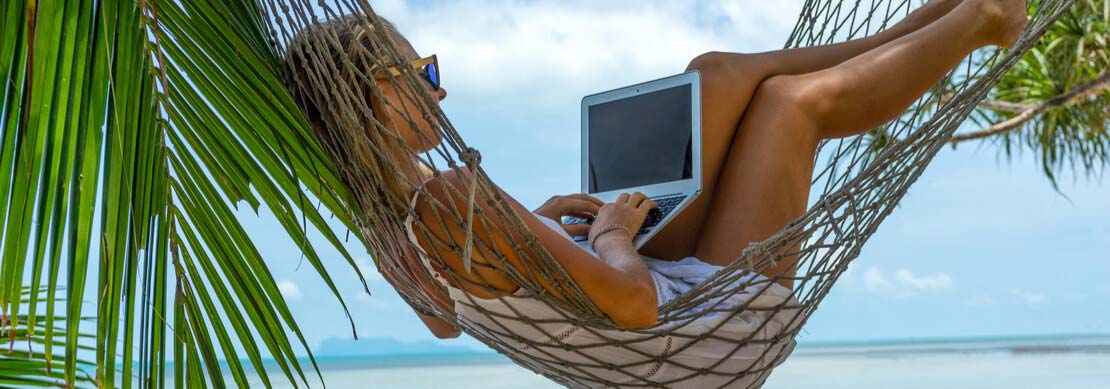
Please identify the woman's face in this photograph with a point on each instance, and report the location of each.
(421, 135)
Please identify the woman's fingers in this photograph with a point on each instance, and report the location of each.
(582, 229)
(629, 210)
(636, 199)
(586, 197)
(578, 207)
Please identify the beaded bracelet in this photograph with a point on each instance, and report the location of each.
(607, 229)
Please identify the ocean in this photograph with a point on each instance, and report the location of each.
(1015, 362)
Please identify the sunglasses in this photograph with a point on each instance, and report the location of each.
(429, 67)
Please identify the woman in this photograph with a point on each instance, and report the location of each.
(763, 116)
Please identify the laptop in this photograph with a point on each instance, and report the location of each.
(643, 138)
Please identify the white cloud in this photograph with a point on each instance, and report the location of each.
(541, 52)
(515, 71)
(904, 282)
(289, 290)
(938, 281)
(875, 280)
(1029, 297)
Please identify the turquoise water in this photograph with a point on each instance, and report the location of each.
(1042, 362)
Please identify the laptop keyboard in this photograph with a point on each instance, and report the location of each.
(665, 204)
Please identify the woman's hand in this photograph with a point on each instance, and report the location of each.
(576, 205)
(639, 302)
(628, 210)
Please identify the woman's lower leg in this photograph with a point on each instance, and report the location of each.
(729, 80)
(877, 86)
(814, 58)
(764, 182)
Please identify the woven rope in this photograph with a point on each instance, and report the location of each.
(862, 179)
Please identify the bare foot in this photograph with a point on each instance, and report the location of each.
(1007, 20)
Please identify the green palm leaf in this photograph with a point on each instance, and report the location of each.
(130, 131)
(23, 363)
(1055, 102)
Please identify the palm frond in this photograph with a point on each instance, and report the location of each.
(1054, 102)
(1071, 135)
(22, 360)
(130, 132)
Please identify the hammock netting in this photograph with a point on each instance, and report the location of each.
(860, 180)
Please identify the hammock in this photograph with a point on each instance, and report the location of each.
(862, 179)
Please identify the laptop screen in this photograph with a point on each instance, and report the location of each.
(640, 140)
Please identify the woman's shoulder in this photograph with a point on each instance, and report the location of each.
(440, 207)
(443, 186)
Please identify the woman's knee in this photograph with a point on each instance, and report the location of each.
(714, 64)
(797, 95)
(728, 82)
(709, 61)
(739, 66)
(785, 107)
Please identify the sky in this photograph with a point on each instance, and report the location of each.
(981, 246)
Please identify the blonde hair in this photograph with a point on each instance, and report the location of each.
(319, 58)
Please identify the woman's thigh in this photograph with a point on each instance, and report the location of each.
(765, 180)
(728, 82)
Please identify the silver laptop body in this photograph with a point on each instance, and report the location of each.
(644, 138)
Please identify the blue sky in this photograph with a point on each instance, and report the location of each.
(980, 246)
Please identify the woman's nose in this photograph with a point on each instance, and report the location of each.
(442, 94)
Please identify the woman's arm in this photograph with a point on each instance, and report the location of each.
(616, 249)
(440, 328)
(407, 266)
(619, 285)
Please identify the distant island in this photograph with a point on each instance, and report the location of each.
(338, 347)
